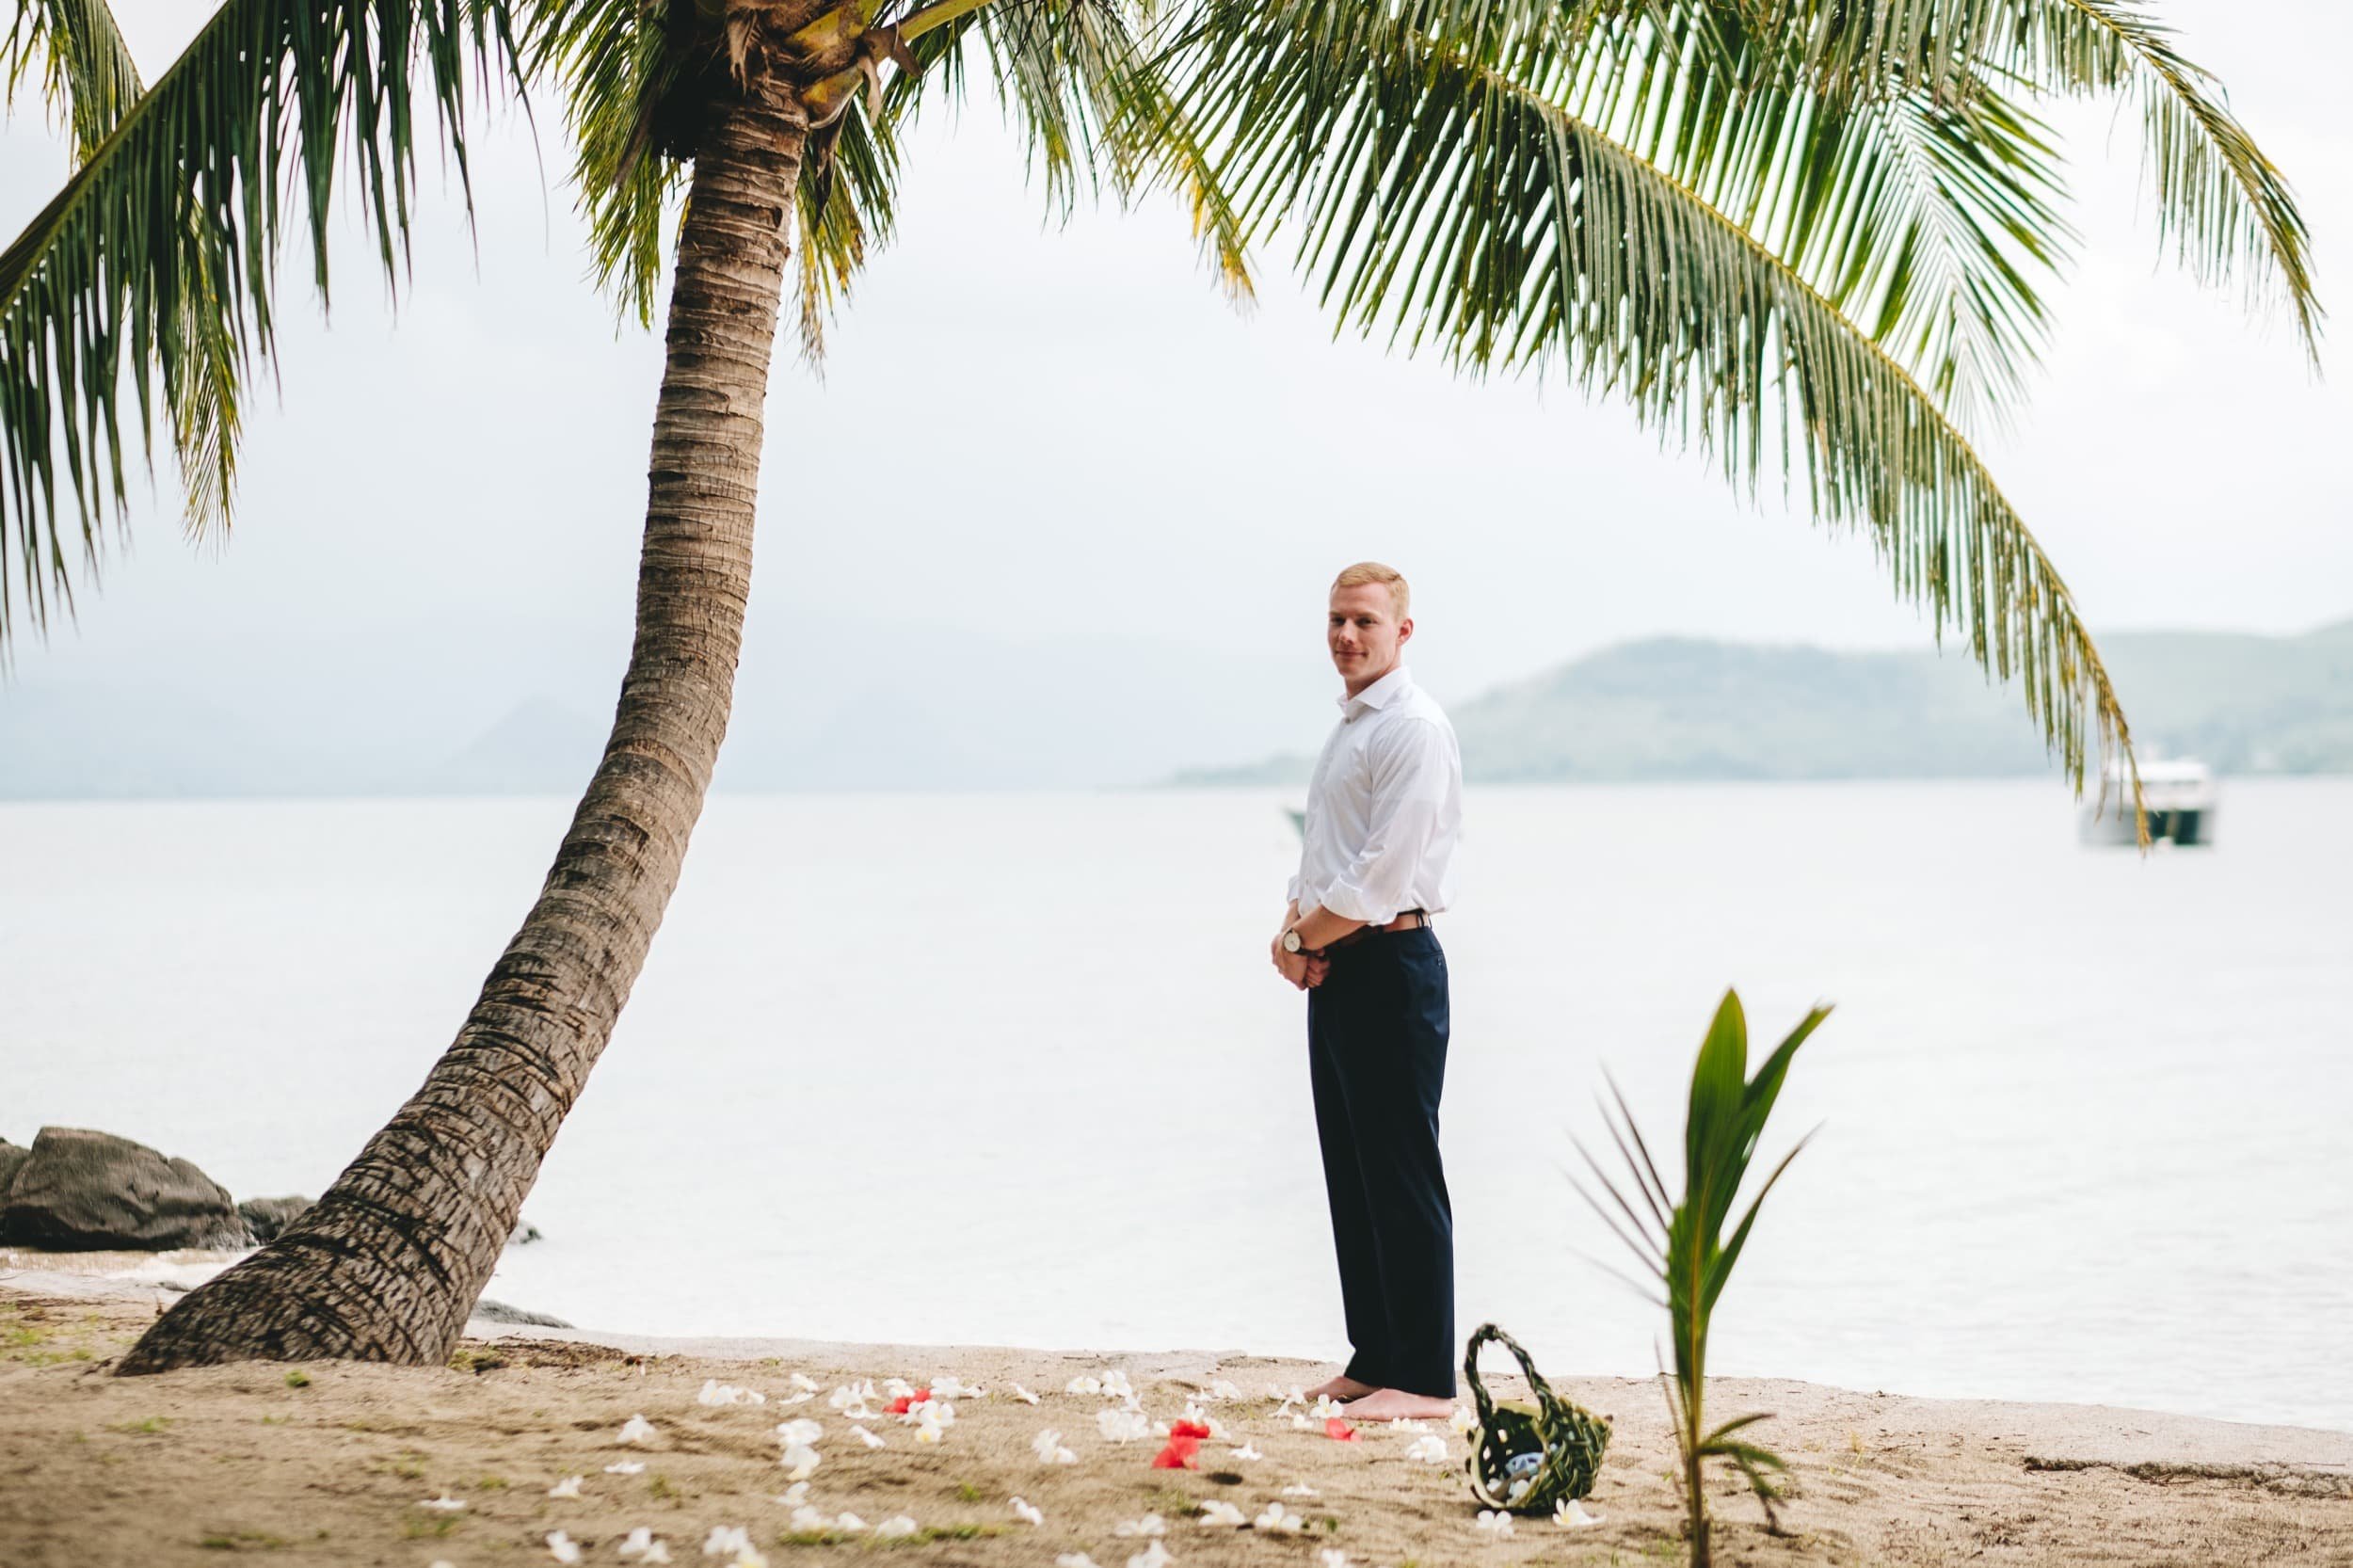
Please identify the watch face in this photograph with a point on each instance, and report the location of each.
(1290, 942)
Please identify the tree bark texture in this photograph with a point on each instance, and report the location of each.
(389, 1263)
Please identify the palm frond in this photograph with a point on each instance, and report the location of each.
(86, 67)
(1931, 225)
(1441, 197)
(2223, 204)
(159, 255)
(1086, 84)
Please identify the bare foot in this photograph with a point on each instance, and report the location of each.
(1394, 1404)
(1342, 1389)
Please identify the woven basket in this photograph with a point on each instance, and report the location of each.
(1567, 1439)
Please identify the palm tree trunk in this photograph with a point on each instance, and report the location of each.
(390, 1261)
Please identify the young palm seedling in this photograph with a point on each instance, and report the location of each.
(1682, 1243)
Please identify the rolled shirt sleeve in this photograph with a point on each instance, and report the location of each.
(1411, 772)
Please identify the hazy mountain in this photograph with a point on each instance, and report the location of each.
(1683, 708)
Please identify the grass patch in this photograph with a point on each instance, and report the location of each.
(967, 1492)
(490, 1483)
(153, 1424)
(298, 1379)
(659, 1484)
(920, 1538)
(241, 1541)
(418, 1529)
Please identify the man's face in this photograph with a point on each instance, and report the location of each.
(1364, 632)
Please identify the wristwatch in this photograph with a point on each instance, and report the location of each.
(1290, 940)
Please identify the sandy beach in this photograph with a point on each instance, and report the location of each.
(331, 1463)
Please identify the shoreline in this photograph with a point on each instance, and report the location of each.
(332, 1470)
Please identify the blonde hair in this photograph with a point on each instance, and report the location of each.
(1401, 596)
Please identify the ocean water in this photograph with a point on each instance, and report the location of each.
(1013, 1069)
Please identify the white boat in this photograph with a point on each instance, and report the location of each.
(2180, 796)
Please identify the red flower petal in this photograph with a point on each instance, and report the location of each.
(1178, 1455)
(900, 1405)
(1339, 1431)
(1189, 1429)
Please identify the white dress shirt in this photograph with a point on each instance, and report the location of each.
(1384, 807)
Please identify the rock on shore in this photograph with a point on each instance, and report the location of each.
(80, 1190)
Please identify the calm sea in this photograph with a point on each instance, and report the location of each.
(1013, 1069)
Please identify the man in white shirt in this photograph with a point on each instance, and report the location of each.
(1384, 808)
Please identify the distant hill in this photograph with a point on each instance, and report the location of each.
(1687, 708)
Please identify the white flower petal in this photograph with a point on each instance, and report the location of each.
(1300, 1489)
(850, 1522)
(1332, 1557)
(1569, 1513)
(626, 1468)
(804, 1384)
(808, 1521)
(1246, 1452)
(1151, 1524)
(635, 1429)
(1462, 1421)
(568, 1487)
(1221, 1389)
(1023, 1395)
(1027, 1513)
(800, 1462)
(563, 1548)
(895, 1526)
(799, 1432)
(1153, 1556)
(444, 1504)
(1430, 1449)
(1221, 1513)
(866, 1438)
(726, 1541)
(1074, 1559)
(1084, 1385)
(1122, 1425)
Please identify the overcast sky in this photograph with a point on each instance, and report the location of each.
(1031, 433)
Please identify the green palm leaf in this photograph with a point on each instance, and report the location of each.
(1441, 196)
(159, 255)
(87, 68)
(2224, 205)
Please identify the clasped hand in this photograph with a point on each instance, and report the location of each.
(1303, 969)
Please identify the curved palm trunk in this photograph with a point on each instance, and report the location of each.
(387, 1264)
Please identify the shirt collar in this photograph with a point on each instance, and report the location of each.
(1379, 694)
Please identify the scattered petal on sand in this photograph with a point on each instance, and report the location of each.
(640, 1544)
(726, 1541)
(444, 1504)
(799, 1432)
(1048, 1446)
(1151, 1524)
(1495, 1522)
(626, 1468)
(1463, 1421)
(953, 1388)
(866, 1438)
(715, 1392)
(568, 1487)
(1569, 1513)
(1074, 1559)
(1084, 1385)
(1297, 1396)
(1326, 1407)
(1332, 1557)
(850, 1522)
(563, 1548)
(1301, 1423)
(1338, 1430)
(1122, 1425)
(635, 1429)
(800, 1462)
(1153, 1556)
(1221, 1513)
(1115, 1385)
(1023, 1395)
(1028, 1513)
(855, 1400)
(1221, 1389)
(1246, 1452)
(1430, 1450)
(808, 1521)
(795, 1494)
(803, 1384)
(1277, 1518)
(1300, 1489)
(898, 1388)
(1406, 1423)
(896, 1527)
